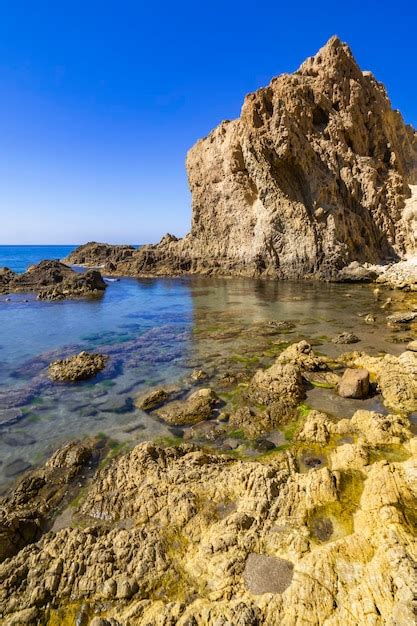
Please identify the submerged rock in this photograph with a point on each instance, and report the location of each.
(148, 401)
(196, 408)
(354, 384)
(78, 367)
(346, 338)
(402, 317)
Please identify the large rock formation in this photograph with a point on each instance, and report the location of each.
(317, 172)
(52, 280)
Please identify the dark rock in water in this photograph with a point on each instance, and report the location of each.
(346, 338)
(312, 461)
(16, 467)
(282, 325)
(322, 528)
(10, 416)
(354, 384)
(231, 444)
(53, 280)
(264, 445)
(267, 574)
(117, 405)
(18, 439)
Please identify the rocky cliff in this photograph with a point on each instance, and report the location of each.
(317, 172)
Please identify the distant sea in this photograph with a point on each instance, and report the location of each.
(19, 258)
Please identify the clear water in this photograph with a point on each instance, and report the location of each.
(19, 258)
(156, 332)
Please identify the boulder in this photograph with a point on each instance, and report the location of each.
(77, 367)
(354, 384)
(151, 400)
(196, 408)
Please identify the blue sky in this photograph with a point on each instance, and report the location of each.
(99, 101)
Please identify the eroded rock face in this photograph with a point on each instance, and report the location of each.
(53, 280)
(78, 367)
(102, 254)
(317, 173)
(180, 536)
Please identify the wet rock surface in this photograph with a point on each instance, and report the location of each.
(78, 367)
(197, 407)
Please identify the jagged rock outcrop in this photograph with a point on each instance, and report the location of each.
(180, 536)
(52, 280)
(102, 253)
(319, 171)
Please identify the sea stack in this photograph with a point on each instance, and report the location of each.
(318, 172)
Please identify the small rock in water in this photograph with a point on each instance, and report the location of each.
(152, 399)
(346, 338)
(10, 416)
(16, 467)
(354, 384)
(267, 574)
(199, 375)
(18, 439)
(77, 367)
(264, 445)
(412, 345)
(230, 444)
(312, 461)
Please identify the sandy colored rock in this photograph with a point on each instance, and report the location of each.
(378, 429)
(148, 401)
(395, 377)
(354, 383)
(279, 383)
(302, 355)
(78, 367)
(262, 559)
(197, 407)
(317, 173)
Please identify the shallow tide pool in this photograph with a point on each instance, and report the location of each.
(156, 332)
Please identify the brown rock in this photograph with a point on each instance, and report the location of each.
(354, 384)
(196, 408)
(152, 399)
(78, 367)
(314, 175)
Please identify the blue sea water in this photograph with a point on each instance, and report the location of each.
(19, 258)
(155, 332)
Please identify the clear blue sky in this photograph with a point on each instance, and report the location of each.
(100, 100)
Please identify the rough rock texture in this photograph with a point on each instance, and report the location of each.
(318, 172)
(78, 367)
(178, 536)
(402, 275)
(53, 280)
(103, 254)
(196, 408)
(24, 514)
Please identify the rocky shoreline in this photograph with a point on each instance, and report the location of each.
(196, 533)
